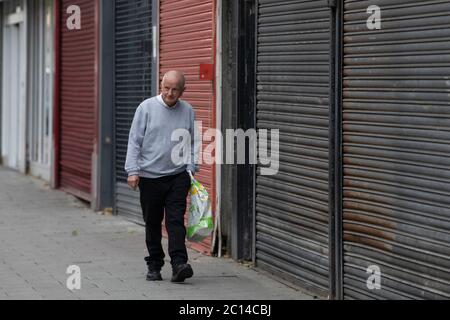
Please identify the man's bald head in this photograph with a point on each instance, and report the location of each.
(172, 87)
(175, 76)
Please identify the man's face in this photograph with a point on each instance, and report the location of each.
(172, 90)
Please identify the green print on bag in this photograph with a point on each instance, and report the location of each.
(200, 222)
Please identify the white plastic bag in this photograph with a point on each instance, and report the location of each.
(200, 222)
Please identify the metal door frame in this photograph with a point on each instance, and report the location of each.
(104, 187)
(336, 152)
(243, 220)
(39, 69)
(55, 177)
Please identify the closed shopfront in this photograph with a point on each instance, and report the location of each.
(396, 115)
(78, 95)
(133, 84)
(40, 88)
(187, 41)
(14, 85)
(293, 62)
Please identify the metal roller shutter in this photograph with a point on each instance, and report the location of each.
(396, 150)
(293, 96)
(187, 40)
(78, 99)
(133, 84)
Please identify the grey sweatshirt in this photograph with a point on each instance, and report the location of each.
(150, 143)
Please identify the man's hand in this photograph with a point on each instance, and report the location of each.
(133, 182)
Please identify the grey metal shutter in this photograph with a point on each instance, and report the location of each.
(396, 150)
(293, 96)
(133, 84)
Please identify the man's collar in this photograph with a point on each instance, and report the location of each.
(160, 98)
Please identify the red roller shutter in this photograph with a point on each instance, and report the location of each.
(78, 99)
(187, 40)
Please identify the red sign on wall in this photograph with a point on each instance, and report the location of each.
(206, 71)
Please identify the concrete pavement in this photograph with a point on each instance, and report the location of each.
(43, 232)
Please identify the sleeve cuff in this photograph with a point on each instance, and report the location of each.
(192, 168)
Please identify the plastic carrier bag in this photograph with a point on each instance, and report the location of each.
(200, 222)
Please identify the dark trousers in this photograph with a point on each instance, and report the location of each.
(165, 194)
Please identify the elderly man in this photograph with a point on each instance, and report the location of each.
(163, 183)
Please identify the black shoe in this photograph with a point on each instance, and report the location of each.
(154, 275)
(154, 270)
(182, 272)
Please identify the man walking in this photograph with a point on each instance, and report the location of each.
(163, 184)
